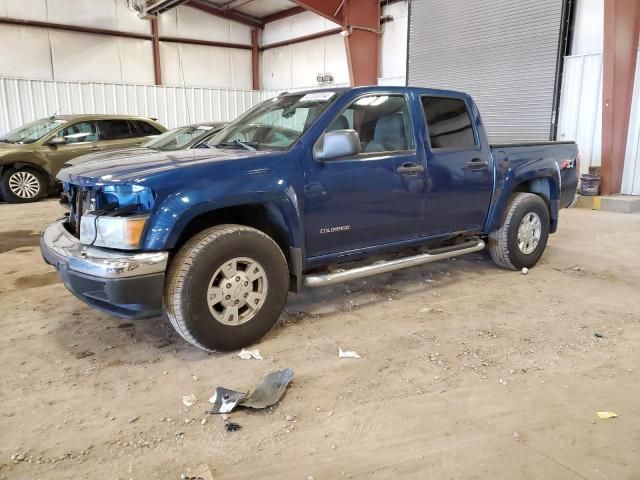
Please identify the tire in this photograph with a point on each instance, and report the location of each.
(199, 273)
(515, 249)
(23, 185)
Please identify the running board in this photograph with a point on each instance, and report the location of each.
(321, 280)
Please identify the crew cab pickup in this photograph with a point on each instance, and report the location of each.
(216, 238)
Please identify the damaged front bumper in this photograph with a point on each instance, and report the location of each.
(125, 284)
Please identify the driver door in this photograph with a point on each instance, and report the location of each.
(81, 138)
(373, 198)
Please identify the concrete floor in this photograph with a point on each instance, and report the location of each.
(468, 371)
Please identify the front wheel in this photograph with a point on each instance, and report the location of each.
(22, 185)
(226, 287)
(522, 238)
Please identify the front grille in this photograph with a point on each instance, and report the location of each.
(77, 203)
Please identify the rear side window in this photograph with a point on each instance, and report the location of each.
(114, 129)
(143, 129)
(449, 123)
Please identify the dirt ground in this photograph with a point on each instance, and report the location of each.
(468, 371)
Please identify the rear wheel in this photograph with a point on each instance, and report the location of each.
(21, 185)
(226, 287)
(522, 238)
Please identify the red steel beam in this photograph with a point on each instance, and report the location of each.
(304, 38)
(330, 9)
(362, 18)
(361, 21)
(207, 43)
(226, 13)
(73, 28)
(621, 34)
(155, 40)
(283, 14)
(255, 59)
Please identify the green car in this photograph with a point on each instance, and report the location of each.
(32, 155)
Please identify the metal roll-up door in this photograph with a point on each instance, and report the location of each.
(502, 52)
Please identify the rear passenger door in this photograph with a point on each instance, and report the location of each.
(460, 176)
(117, 133)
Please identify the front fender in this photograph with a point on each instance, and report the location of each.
(172, 215)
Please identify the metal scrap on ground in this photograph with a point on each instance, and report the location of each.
(347, 354)
(267, 393)
(606, 415)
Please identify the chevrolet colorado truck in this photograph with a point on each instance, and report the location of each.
(216, 238)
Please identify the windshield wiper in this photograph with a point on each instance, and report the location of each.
(235, 142)
(5, 140)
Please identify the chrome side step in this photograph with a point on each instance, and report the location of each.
(321, 280)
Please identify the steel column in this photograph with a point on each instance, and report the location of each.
(360, 20)
(155, 41)
(255, 59)
(621, 33)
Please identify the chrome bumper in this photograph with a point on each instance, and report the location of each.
(58, 245)
(128, 285)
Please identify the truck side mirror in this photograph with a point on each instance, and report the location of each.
(55, 141)
(336, 144)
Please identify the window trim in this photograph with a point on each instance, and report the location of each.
(69, 124)
(477, 146)
(387, 153)
(126, 120)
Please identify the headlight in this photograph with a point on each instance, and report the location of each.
(122, 233)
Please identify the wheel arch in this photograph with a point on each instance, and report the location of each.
(546, 186)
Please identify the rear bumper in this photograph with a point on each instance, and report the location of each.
(127, 285)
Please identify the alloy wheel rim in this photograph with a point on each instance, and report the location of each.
(237, 291)
(24, 184)
(529, 233)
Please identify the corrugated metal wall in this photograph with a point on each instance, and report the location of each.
(580, 117)
(22, 101)
(503, 52)
(631, 176)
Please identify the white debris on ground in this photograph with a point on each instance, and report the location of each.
(348, 354)
(189, 400)
(249, 354)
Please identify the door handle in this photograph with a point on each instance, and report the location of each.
(410, 168)
(95, 148)
(477, 164)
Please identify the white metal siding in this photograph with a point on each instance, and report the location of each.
(502, 52)
(580, 117)
(22, 101)
(631, 175)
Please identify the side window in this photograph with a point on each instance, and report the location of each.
(143, 129)
(80, 132)
(114, 129)
(449, 123)
(382, 121)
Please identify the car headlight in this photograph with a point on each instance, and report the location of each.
(123, 233)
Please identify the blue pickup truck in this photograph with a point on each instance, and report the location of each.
(216, 238)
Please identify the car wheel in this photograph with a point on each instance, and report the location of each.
(22, 185)
(522, 238)
(226, 287)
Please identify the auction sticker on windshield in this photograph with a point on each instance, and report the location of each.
(317, 97)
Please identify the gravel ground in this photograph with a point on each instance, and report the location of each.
(467, 371)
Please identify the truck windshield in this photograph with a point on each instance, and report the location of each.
(177, 138)
(33, 131)
(274, 124)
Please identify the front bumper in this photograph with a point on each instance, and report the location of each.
(125, 284)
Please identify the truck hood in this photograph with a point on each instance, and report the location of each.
(109, 154)
(140, 169)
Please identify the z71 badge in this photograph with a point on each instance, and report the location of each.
(341, 228)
